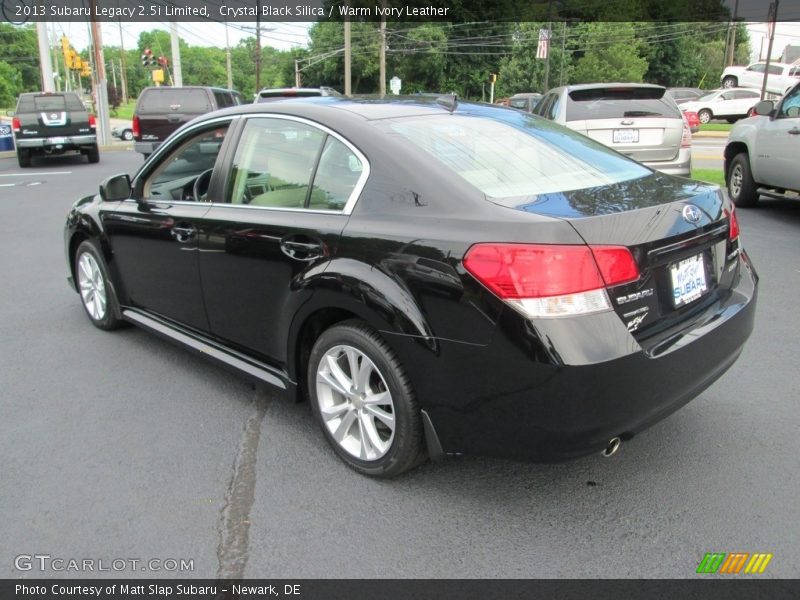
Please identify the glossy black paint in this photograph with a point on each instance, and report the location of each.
(491, 380)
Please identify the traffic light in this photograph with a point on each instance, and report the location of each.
(163, 61)
(148, 60)
(493, 78)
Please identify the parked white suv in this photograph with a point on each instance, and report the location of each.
(731, 104)
(761, 154)
(782, 77)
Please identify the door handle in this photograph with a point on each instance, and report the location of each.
(183, 234)
(302, 250)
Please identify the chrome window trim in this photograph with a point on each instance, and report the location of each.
(357, 189)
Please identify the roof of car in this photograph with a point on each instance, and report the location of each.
(526, 95)
(595, 86)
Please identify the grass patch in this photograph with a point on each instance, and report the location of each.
(125, 111)
(709, 176)
(716, 127)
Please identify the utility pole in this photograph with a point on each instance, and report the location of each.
(53, 43)
(176, 55)
(122, 68)
(228, 58)
(772, 18)
(347, 55)
(44, 57)
(296, 73)
(563, 53)
(101, 86)
(114, 74)
(547, 58)
(258, 46)
(382, 87)
(732, 47)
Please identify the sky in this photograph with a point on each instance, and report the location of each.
(785, 34)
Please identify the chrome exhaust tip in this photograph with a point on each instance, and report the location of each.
(612, 447)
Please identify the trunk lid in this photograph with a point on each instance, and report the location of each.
(678, 233)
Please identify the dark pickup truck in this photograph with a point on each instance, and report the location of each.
(46, 124)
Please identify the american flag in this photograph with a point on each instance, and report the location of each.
(544, 43)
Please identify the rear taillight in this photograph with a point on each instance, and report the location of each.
(686, 138)
(551, 280)
(92, 122)
(15, 124)
(733, 224)
(135, 127)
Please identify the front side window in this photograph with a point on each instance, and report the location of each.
(757, 68)
(176, 174)
(775, 70)
(790, 107)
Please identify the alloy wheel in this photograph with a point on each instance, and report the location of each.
(355, 403)
(736, 181)
(92, 286)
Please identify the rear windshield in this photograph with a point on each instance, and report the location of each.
(617, 103)
(168, 100)
(510, 163)
(50, 102)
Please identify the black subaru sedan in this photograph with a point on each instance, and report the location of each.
(434, 278)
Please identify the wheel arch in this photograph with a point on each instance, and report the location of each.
(732, 150)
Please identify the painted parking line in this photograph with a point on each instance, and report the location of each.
(36, 173)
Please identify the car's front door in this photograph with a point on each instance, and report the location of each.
(290, 190)
(778, 144)
(154, 235)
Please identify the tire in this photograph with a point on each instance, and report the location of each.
(127, 135)
(24, 158)
(374, 426)
(704, 115)
(730, 82)
(93, 154)
(732, 120)
(741, 187)
(97, 296)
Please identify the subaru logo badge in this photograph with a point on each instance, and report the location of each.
(691, 213)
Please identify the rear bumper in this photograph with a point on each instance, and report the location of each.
(558, 389)
(680, 166)
(69, 143)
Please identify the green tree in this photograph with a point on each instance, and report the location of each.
(19, 48)
(10, 84)
(608, 52)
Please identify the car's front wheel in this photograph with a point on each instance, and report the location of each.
(363, 401)
(704, 116)
(730, 82)
(741, 187)
(127, 135)
(97, 295)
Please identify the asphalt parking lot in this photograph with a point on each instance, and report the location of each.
(123, 446)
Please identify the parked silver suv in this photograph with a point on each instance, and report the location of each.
(639, 120)
(761, 154)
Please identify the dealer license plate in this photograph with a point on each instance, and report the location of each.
(688, 280)
(625, 136)
(57, 140)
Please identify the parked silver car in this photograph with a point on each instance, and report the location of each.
(639, 120)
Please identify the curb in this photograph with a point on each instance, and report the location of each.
(711, 134)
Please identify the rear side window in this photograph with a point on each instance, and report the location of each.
(50, 102)
(224, 99)
(510, 163)
(166, 100)
(617, 103)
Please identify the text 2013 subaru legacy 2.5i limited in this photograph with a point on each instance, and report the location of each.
(436, 278)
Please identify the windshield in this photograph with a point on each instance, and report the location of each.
(513, 162)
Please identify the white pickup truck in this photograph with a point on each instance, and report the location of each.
(782, 77)
(761, 153)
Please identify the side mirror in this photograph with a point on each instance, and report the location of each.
(10, 113)
(764, 108)
(115, 188)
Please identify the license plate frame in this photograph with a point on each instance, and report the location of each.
(625, 136)
(689, 280)
(56, 141)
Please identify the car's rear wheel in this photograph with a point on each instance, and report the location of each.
(24, 158)
(741, 187)
(93, 154)
(97, 295)
(127, 135)
(730, 82)
(363, 401)
(704, 115)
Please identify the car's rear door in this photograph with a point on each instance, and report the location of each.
(640, 122)
(290, 189)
